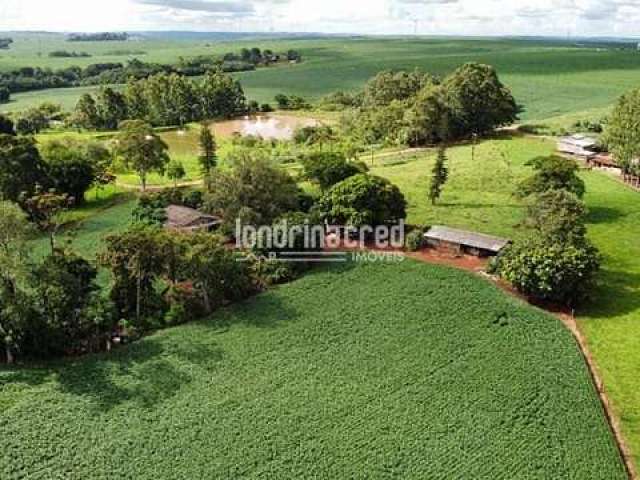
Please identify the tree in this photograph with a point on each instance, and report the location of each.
(283, 101)
(6, 126)
(363, 200)
(622, 133)
(326, 169)
(136, 263)
(216, 274)
(44, 210)
(427, 121)
(135, 94)
(111, 108)
(176, 172)
(479, 101)
(5, 95)
(68, 298)
(15, 230)
(141, 149)
(31, 122)
(552, 173)
(253, 189)
(86, 114)
(220, 96)
(21, 167)
(208, 158)
(439, 177)
(71, 166)
(558, 215)
(388, 86)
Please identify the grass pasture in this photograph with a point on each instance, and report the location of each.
(399, 384)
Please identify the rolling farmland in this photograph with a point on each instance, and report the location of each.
(398, 385)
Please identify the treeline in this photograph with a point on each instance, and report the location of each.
(66, 54)
(98, 37)
(162, 100)
(36, 78)
(417, 108)
(5, 43)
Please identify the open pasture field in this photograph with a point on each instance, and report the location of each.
(550, 79)
(287, 385)
(479, 197)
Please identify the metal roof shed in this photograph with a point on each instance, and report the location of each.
(462, 241)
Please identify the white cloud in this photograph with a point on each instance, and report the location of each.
(470, 17)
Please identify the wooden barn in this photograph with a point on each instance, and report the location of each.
(578, 145)
(190, 220)
(460, 241)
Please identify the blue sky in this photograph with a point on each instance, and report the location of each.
(464, 17)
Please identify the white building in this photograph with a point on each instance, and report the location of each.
(578, 145)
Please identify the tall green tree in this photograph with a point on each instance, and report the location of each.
(479, 101)
(622, 133)
(21, 167)
(44, 209)
(85, 114)
(221, 96)
(175, 172)
(136, 263)
(72, 165)
(208, 157)
(141, 149)
(15, 230)
(112, 108)
(439, 176)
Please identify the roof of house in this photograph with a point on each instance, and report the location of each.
(185, 217)
(605, 159)
(469, 239)
(579, 141)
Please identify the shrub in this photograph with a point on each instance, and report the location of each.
(415, 240)
(548, 270)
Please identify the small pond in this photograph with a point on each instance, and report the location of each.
(269, 127)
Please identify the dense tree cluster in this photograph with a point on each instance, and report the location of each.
(162, 100)
(554, 261)
(50, 307)
(622, 134)
(5, 43)
(253, 190)
(419, 109)
(67, 166)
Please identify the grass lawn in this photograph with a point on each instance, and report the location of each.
(478, 196)
(411, 371)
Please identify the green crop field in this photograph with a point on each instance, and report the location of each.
(551, 79)
(411, 371)
(479, 197)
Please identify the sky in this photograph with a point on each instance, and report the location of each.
(425, 17)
